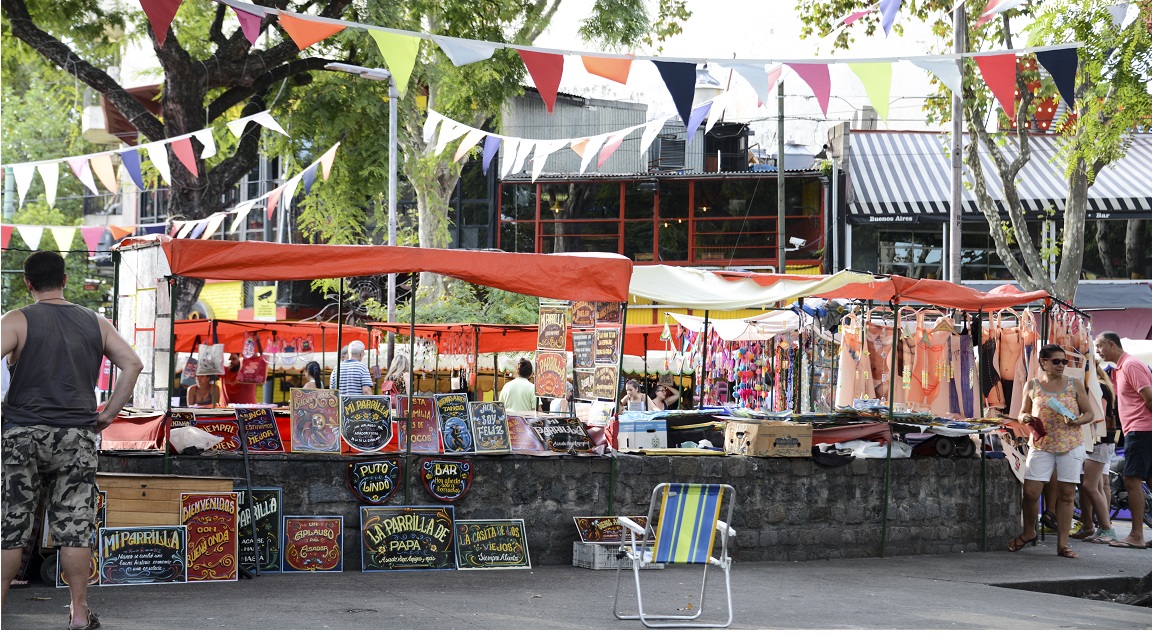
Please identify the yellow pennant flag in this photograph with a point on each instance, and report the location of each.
(64, 237)
(877, 80)
(399, 53)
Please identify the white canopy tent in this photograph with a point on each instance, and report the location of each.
(708, 291)
(761, 327)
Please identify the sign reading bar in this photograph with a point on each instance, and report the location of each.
(268, 501)
(490, 426)
(260, 425)
(313, 543)
(213, 541)
(551, 373)
(366, 421)
(604, 529)
(425, 428)
(143, 555)
(315, 421)
(399, 538)
(374, 481)
(552, 333)
(491, 544)
(452, 411)
(562, 434)
(446, 480)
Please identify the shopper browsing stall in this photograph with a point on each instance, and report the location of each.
(520, 394)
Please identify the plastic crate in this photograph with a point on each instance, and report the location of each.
(601, 557)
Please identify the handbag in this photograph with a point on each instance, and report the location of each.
(188, 375)
(254, 369)
(211, 362)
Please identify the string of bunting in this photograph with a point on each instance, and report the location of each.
(32, 234)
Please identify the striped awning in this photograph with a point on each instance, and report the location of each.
(905, 177)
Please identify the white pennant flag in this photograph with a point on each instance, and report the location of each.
(651, 130)
(430, 125)
(591, 150)
(266, 120)
(326, 160)
(23, 174)
(241, 214)
(508, 156)
(462, 52)
(522, 152)
(756, 76)
(719, 104)
(31, 236)
(212, 225)
(205, 138)
(50, 174)
(449, 131)
(545, 148)
(469, 141)
(947, 71)
(64, 237)
(290, 190)
(84, 173)
(158, 153)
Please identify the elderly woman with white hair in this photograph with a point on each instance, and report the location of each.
(354, 377)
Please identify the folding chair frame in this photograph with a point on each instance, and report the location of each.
(637, 544)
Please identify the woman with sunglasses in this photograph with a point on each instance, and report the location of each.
(1057, 446)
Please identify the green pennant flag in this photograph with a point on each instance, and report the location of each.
(877, 79)
(399, 53)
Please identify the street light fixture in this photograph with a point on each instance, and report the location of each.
(371, 73)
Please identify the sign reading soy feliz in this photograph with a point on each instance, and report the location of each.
(490, 426)
(407, 538)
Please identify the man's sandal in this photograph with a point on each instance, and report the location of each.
(1019, 542)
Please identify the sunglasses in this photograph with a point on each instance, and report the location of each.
(1059, 361)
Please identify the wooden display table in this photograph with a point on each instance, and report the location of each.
(138, 500)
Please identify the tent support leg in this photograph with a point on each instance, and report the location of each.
(411, 382)
(891, 405)
(339, 329)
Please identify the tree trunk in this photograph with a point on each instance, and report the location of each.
(1135, 250)
(1104, 248)
(1072, 247)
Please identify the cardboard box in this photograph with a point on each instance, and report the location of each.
(643, 434)
(769, 439)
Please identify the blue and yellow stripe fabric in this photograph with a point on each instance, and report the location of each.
(687, 528)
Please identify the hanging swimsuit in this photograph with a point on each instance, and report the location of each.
(849, 373)
(930, 363)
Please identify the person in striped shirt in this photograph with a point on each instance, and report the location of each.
(355, 378)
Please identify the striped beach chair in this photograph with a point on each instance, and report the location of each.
(687, 518)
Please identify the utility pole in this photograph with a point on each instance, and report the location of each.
(956, 210)
(780, 176)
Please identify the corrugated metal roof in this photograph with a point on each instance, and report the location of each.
(644, 177)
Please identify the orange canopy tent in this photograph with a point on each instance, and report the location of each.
(502, 338)
(231, 333)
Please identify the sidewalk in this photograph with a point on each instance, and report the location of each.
(921, 592)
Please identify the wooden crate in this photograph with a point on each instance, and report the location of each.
(140, 500)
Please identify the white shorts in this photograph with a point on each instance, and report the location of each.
(1102, 453)
(1039, 465)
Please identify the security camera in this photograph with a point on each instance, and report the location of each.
(797, 242)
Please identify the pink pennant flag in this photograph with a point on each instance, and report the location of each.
(182, 147)
(816, 76)
(999, 73)
(160, 14)
(249, 24)
(102, 167)
(546, 70)
(274, 199)
(774, 77)
(995, 8)
(5, 235)
(92, 237)
(610, 147)
(856, 15)
(84, 173)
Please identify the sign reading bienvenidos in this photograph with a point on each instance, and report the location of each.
(406, 538)
(143, 555)
(313, 543)
(492, 544)
(374, 481)
(268, 501)
(446, 480)
(213, 541)
(366, 421)
(490, 426)
(455, 433)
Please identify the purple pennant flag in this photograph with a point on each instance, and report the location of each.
(309, 178)
(698, 115)
(131, 160)
(198, 229)
(491, 144)
(1061, 65)
(680, 78)
(888, 11)
(249, 24)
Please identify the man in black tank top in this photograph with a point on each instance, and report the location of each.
(53, 349)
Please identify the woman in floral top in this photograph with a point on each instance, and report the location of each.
(1058, 447)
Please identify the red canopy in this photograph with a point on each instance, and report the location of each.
(231, 333)
(598, 277)
(502, 338)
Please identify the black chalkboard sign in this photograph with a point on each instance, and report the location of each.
(374, 481)
(407, 538)
(455, 432)
(583, 349)
(562, 434)
(607, 345)
(366, 421)
(491, 544)
(268, 511)
(446, 480)
(260, 426)
(490, 426)
(143, 555)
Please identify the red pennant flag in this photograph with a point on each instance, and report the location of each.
(183, 150)
(5, 235)
(999, 73)
(92, 237)
(160, 14)
(545, 69)
(274, 199)
(306, 33)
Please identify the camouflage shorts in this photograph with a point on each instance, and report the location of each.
(60, 462)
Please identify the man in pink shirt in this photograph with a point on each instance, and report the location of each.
(1134, 399)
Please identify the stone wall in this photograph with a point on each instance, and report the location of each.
(786, 509)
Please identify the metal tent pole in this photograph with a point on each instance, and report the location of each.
(411, 382)
(891, 404)
(339, 329)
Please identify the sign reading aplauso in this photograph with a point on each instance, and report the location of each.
(400, 538)
(446, 480)
(213, 544)
(374, 481)
(491, 544)
(366, 421)
(143, 555)
(267, 511)
(313, 543)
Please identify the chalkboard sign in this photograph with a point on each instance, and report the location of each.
(446, 480)
(455, 433)
(604, 529)
(584, 349)
(313, 543)
(551, 373)
(366, 421)
(94, 566)
(374, 481)
(425, 428)
(606, 383)
(552, 332)
(406, 538)
(268, 501)
(143, 555)
(224, 427)
(315, 421)
(584, 382)
(260, 425)
(490, 426)
(522, 436)
(583, 315)
(607, 345)
(608, 312)
(562, 434)
(213, 538)
(491, 544)
(183, 419)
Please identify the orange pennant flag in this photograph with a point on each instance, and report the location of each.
(306, 33)
(615, 69)
(119, 232)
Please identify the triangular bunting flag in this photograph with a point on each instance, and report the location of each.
(610, 147)
(84, 173)
(290, 190)
(326, 160)
(508, 158)
(182, 148)
(120, 232)
(23, 174)
(92, 237)
(50, 174)
(680, 79)
(1061, 65)
(589, 149)
(544, 148)
(181, 228)
(63, 237)
(273, 200)
(470, 139)
(999, 73)
(105, 172)
(815, 75)
(449, 131)
(491, 146)
(130, 160)
(651, 130)
(310, 177)
(430, 123)
(719, 105)
(268, 122)
(1118, 12)
(855, 15)
(306, 33)
(946, 71)
(462, 52)
(31, 235)
(212, 224)
(994, 8)
(698, 115)
(888, 11)
(774, 76)
(399, 53)
(522, 152)
(756, 76)
(546, 70)
(197, 229)
(5, 235)
(614, 69)
(206, 140)
(160, 14)
(241, 215)
(158, 153)
(249, 24)
(877, 80)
